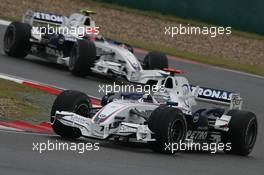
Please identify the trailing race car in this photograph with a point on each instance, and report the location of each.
(163, 119)
(83, 51)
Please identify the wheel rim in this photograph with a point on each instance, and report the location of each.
(251, 135)
(176, 131)
(83, 110)
(9, 38)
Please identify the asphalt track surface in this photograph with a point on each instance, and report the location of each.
(17, 156)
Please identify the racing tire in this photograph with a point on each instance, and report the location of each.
(82, 57)
(16, 39)
(169, 127)
(242, 133)
(70, 101)
(155, 60)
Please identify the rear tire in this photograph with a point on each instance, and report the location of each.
(242, 132)
(82, 57)
(155, 60)
(70, 101)
(16, 39)
(169, 127)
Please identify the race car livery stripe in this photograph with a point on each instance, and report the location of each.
(115, 112)
(98, 119)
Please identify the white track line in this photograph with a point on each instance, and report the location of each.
(20, 80)
(238, 72)
(27, 133)
(5, 23)
(5, 77)
(9, 128)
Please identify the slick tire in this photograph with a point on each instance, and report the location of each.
(70, 101)
(242, 133)
(169, 127)
(82, 57)
(16, 39)
(155, 60)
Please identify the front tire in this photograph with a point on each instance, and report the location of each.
(155, 60)
(169, 127)
(82, 57)
(242, 132)
(70, 101)
(16, 39)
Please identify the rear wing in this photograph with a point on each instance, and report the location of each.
(210, 95)
(30, 17)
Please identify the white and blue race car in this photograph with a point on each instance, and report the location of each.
(82, 51)
(162, 119)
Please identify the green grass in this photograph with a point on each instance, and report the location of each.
(19, 102)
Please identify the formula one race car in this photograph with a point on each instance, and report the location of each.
(74, 41)
(163, 119)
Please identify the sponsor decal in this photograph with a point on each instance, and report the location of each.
(185, 89)
(214, 94)
(196, 118)
(48, 17)
(77, 119)
(196, 135)
(100, 118)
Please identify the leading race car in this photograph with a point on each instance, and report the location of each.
(72, 41)
(162, 120)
